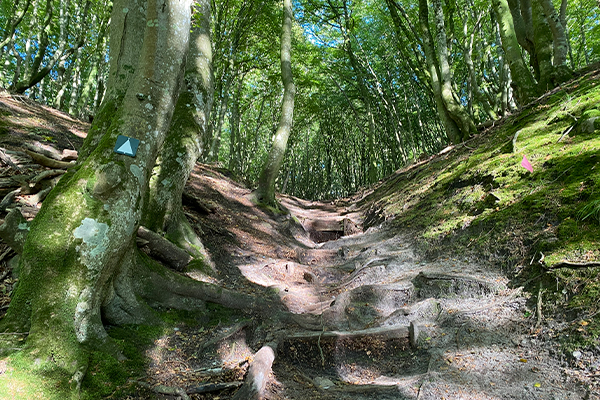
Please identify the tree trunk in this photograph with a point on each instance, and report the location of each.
(183, 145)
(560, 44)
(82, 239)
(455, 110)
(127, 21)
(524, 83)
(265, 192)
(452, 129)
(543, 47)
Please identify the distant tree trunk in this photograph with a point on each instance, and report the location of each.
(94, 71)
(544, 48)
(74, 269)
(235, 141)
(265, 192)
(61, 54)
(560, 44)
(13, 20)
(456, 111)
(457, 123)
(525, 85)
(183, 144)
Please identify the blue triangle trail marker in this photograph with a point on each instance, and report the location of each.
(126, 145)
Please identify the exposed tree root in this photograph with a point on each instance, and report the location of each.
(162, 287)
(164, 250)
(51, 152)
(387, 332)
(47, 161)
(259, 373)
(212, 387)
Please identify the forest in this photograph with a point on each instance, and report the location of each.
(311, 183)
(366, 99)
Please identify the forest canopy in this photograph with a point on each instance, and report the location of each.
(378, 83)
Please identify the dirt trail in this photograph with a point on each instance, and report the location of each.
(385, 324)
(391, 326)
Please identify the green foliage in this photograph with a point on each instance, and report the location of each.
(591, 209)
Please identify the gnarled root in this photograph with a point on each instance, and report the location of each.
(162, 287)
(259, 373)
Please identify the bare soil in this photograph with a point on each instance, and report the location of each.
(387, 323)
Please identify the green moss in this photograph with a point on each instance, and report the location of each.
(480, 201)
(201, 266)
(220, 315)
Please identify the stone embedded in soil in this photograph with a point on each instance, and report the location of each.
(435, 284)
(323, 383)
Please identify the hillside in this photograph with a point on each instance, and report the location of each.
(463, 276)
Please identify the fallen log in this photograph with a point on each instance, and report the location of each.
(51, 152)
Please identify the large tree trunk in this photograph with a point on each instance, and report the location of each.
(266, 185)
(455, 110)
(452, 129)
(560, 44)
(183, 145)
(524, 84)
(127, 21)
(83, 238)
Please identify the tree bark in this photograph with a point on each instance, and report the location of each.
(127, 21)
(524, 84)
(452, 129)
(184, 143)
(82, 239)
(560, 44)
(265, 192)
(543, 40)
(455, 110)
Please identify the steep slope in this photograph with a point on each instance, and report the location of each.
(455, 278)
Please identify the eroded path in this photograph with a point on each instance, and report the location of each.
(386, 324)
(375, 321)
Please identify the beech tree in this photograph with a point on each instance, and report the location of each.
(185, 141)
(456, 120)
(79, 268)
(80, 244)
(266, 184)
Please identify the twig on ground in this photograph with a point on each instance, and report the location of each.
(565, 133)
(539, 307)
(572, 265)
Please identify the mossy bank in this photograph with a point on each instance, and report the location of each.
(479, 200)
